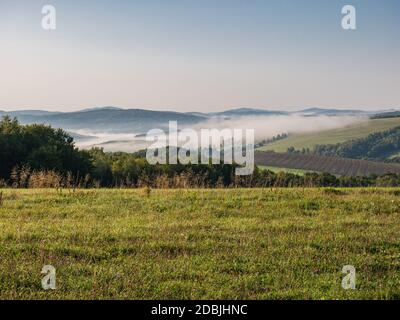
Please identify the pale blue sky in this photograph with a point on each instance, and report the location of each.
(199, 55)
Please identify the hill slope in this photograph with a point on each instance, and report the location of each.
(107, 119)
(379, 146)
(332, 165)
(310, 140)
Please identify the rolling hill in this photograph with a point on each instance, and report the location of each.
(139, 121)
(107, 119)
(90, 126)
(310, 140)
(379, 146)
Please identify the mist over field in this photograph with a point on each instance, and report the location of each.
(265, 127)
(269, 126)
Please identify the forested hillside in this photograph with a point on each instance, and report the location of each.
(39, 147)
(379, 146)
(355, 131)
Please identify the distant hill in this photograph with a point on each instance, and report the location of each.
(101, 108)
(107, 119)
(240, 112)
(308, 111)
(245, 112)
(331, 112)
(116, 120)
(383, 115)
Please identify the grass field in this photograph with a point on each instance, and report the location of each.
(354, 131)
(200, 244)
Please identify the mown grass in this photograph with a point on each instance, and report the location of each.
(200, 244)
(354, 131)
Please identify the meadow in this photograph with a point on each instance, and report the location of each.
(200, 244)
(354, 131)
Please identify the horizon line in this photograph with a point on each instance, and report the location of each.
(272, 109)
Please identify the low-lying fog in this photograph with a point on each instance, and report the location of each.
(265, 127)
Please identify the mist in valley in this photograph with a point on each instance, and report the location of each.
(265, 127)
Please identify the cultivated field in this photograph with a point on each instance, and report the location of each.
(332, 165)
(355, 131)
(200, 244)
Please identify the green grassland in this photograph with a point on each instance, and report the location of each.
(200, 244)
(354, 131)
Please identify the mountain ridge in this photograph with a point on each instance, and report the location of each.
(119, 120)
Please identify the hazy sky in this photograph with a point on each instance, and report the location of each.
(199, 55)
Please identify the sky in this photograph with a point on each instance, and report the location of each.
(187, 55)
